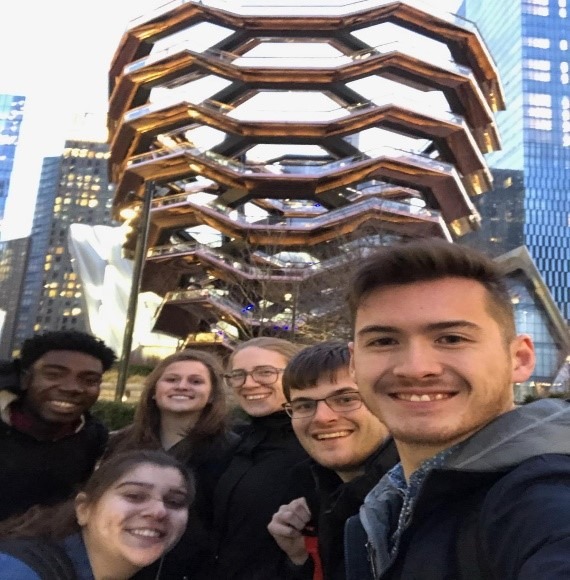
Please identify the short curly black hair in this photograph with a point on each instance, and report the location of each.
(35, 347)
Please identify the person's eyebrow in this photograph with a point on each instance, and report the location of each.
(149, 486)
(341, 391)
(377, 328)
(54, 366)
(443, 325)
(137, 483)
(451, 324)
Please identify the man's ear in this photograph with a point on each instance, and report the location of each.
(523, 357)
(351, 371)
(82, 509)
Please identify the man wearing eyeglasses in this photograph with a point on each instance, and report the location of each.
(350, 450)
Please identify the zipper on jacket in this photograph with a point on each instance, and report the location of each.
(372, 560)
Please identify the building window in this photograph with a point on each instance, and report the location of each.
(541, 77)
(537, 42)
(539, 100)
(537, 64)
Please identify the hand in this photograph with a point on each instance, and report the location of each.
(286, 527)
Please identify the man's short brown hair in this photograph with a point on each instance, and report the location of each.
(433, 259)
(314, 363)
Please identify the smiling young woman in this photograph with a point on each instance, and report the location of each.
(131, 511)
(183, 410)
(256, 482)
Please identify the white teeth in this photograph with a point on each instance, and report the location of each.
(63, 404)
(180, 397)
(333, 435)
(425, 398)
(146, 533)
(255, 397)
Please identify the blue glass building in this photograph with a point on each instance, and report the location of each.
(11, 115)
(530, 43)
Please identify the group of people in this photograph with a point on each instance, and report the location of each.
(398, 455)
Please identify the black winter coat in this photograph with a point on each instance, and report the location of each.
(332, 502)
(482, 526)
(248, 494)
(46, 472)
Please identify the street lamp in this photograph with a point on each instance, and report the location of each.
(138, 265)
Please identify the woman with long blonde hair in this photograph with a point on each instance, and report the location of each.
(255, 484)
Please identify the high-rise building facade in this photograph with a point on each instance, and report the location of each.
(502, 212)
(11, 116)
(530, 43)
(74, 188)
(33, 286)
(13, 260)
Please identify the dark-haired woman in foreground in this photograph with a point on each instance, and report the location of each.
(182, 410)
(131, 511)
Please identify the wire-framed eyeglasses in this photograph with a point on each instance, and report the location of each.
(339, 403)
(264, 375)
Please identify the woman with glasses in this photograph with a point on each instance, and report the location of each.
(182, 410)
(256, 482)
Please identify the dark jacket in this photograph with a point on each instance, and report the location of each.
(332, 502)
(247, 496)
(508, 486)
(46, 472)
(192, 556)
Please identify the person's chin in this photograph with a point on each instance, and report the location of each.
(260, 409)
(60, 419)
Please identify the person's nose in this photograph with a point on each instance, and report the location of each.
(71, 385)
(250, 381)
(323, 413)
(417, 360)
(155, 508)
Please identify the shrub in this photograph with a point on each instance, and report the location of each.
(114, 415)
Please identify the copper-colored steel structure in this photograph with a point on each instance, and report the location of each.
(294, 193)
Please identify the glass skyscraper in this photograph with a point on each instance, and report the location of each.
(530, 43)
(33, 286)
(11, 115)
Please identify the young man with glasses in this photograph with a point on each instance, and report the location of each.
(350, 451)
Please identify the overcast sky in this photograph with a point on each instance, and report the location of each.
(57, 55)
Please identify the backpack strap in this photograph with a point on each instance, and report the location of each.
(47, 558)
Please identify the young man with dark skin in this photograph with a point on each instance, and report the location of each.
(350, 451)
(49, 442)
(483, 487)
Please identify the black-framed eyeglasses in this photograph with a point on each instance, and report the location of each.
(264, 375)
(339, 403)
